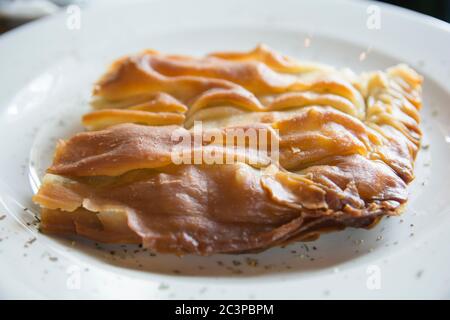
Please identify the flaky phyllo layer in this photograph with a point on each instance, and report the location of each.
(346, 149)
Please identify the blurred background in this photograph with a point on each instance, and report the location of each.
(16, 12)
(437, 8)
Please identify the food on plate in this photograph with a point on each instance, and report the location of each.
(340, 152)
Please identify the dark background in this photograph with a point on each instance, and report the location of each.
(436, 8)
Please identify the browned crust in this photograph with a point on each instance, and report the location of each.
(347, 150)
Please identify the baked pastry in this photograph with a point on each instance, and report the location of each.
(345, 150)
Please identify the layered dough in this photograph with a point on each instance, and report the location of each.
(346, 148)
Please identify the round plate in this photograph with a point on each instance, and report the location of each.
(47, 71)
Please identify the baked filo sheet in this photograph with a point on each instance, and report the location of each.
(345, 150)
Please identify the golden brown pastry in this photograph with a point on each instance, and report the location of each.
(345, 146)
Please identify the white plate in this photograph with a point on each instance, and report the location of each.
(46, 74)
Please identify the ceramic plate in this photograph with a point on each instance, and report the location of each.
(47, 69)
